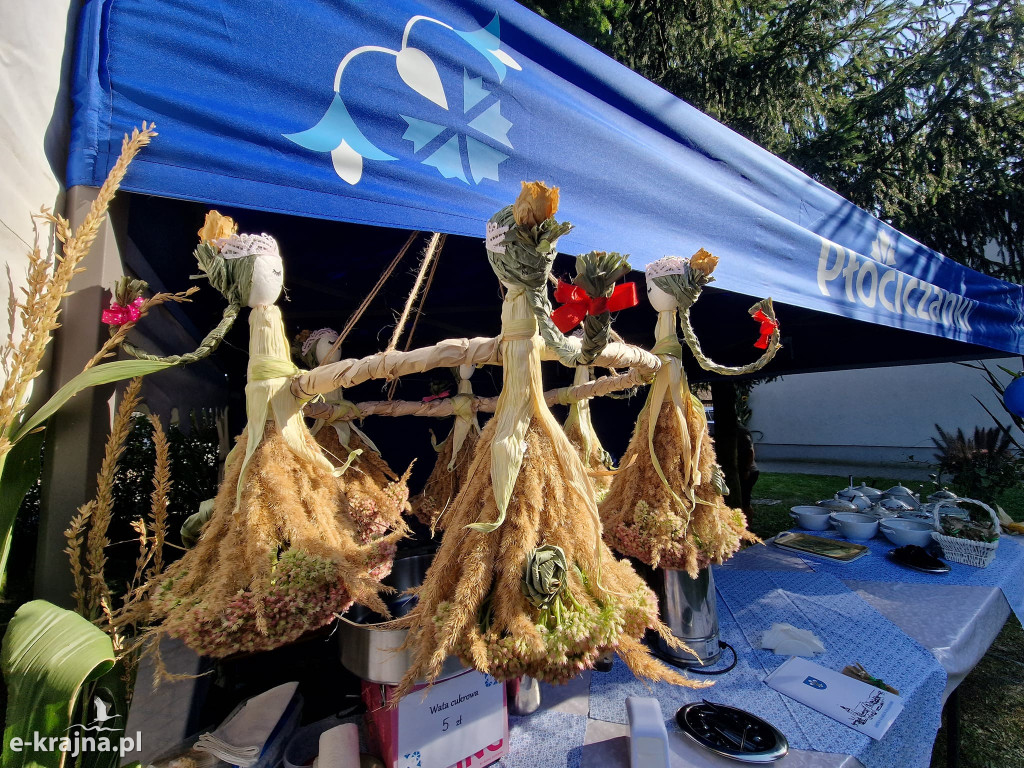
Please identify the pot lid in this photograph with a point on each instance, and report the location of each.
(899, 490)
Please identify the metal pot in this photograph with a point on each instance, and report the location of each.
(372, 654)
(894, 505)
(688, 606)
(838, 505)
(873, 494)
(904, 494)
(855, 497)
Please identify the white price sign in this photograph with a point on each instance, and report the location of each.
(456, 718)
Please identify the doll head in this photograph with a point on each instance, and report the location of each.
(262, 279)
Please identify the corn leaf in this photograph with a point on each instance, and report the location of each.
(48, 655)
(107, 373)
(20, 472)
(113, 688)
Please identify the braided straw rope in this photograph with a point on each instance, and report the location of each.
(447, 406)
(448, 354)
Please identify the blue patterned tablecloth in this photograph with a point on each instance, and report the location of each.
(545, 739)
(852, 631)
(1005, 572)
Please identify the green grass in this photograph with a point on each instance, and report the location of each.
(992, 695)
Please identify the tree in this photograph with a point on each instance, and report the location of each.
(912, 110)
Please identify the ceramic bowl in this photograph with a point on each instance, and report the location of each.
(811, 518)
(854, 525)
(903, 532)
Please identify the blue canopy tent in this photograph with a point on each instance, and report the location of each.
(427, 115)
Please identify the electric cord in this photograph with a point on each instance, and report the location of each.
(682, 663)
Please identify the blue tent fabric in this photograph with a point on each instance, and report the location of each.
(427, 115)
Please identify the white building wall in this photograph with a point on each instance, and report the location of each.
(869, 421)
(33, 124)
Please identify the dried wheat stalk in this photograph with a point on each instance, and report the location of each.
(97, 591)
(39, 311)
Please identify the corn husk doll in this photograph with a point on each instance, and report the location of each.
(454, 456)
(284, 550)
(579, 428)
(522, 583)
(369, 482)
(666, 506)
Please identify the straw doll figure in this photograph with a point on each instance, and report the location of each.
(285, 548)
(666, 506)
(579, 428)
(522, 583)
(454, 456)
(368, 480)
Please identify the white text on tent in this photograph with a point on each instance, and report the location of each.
(866, 281)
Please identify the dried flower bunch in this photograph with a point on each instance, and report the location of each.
(666, 506)
(287, 546)
(486, 597)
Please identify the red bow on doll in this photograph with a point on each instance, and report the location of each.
(768, 327)
(118, 315)
(576, 304)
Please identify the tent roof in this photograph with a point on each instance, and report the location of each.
(427, 115)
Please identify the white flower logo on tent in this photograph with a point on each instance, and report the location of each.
(338, 133)
(883, 250)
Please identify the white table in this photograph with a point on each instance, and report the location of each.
(957, 624)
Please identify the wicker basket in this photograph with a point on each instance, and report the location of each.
(980, 554)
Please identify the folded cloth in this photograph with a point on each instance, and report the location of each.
(240, 739)
(339, 747)
(787, 640)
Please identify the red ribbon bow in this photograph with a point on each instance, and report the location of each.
(576, 304)
(768, 327)
(428, 398)
(118, 315)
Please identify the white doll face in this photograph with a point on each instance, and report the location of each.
(323, 349)
(465, 371)
(661, 301)
(267, 280)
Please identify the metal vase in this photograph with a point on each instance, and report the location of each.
(688, 607)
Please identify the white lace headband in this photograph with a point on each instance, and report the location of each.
(669, 265)
(315, 336)
(240, 246)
